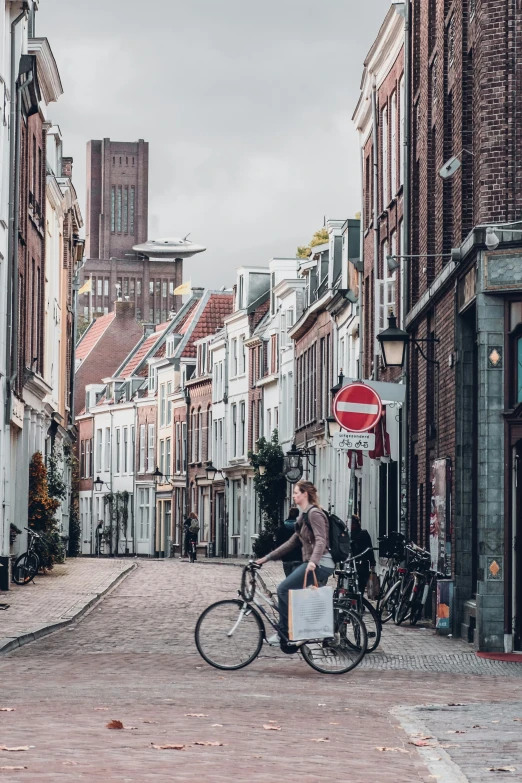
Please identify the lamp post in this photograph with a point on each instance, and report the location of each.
(211, 472)
(99, 484)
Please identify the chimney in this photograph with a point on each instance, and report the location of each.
(67, 167)
(148, 329)
(125, 310)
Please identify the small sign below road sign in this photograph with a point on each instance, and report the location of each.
(354, 441)
(357, 407)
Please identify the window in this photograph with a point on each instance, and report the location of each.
(385, 191)
(118, 210)
(234, 431)
(209, 433)
(143, 513)
(118, 449)
(242, 432)
(99, 451)
(390, 278)
(125, 209)
(82, 459)
(234, 357)
(242, 355)
(401, 130)
(133, 446)
(184, 446)
(162, 405)
(88, 457)
(153, 378)
(169, 405)
(142, 448)
(393, 150)
(99, 283)
(107, 448)
(269, 424)
(125, 450)
(138, 287)
(167, 457)
(240, 293)
(199, 425)
(150, 456)
(276, 417)
(193, 431)
(274, 353)
(113, 208)
(162, 458)
(290, 317)
(178, 446)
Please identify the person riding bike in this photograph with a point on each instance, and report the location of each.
(312, 531)
(191, 528)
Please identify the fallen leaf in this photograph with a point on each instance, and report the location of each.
(501, 769)
(15, 750)
(213, 744)
(195, 715)
(12, 709)
(394, 750)
(272, 721)
(70, 763)
(217, 725)
(333, 723)
(221, 678)
(321, 739)
(168, 747)
(420, 743)
(12, 768)
(321, 705)
(495, 721)
(269, 727)
(199, 667)
(115, 724)
(101, 709)
(257, 757)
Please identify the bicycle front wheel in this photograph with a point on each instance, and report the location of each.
(389, 603)
(342, 653)
(404, 608)
(25, 568)
(229, 634)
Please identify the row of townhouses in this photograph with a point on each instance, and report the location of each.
(40, 251)
(201, 389)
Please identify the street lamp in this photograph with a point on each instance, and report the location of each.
(262, 470)
(393, 343)
(157, 476)
(98, 484)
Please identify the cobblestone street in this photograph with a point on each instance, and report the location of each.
(132, 658)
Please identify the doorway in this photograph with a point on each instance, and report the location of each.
(517, 546)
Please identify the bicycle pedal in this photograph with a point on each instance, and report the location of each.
(371, 634)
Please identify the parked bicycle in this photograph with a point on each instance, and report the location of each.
(347, 593)
(392, 548)
(229, 634)
(418, 586)
(27, 564)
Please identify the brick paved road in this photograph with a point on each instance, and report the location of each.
(133, 659)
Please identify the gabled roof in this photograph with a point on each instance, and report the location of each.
(133, 362)
(94, 333)
(212, 310)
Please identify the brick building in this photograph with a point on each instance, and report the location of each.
(116, 221)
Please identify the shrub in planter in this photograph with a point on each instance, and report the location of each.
(42, 508)
(13, 533)
(50, 548)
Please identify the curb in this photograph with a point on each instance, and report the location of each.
(26, 638)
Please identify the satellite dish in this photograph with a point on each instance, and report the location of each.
(450, 167)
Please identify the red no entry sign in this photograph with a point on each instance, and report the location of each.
(357, 407)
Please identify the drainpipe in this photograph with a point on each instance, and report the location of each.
(12, 236)
(360, 374)
(375, 141)
(404, 269)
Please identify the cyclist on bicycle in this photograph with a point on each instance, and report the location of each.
(191, 528)
(312, 532)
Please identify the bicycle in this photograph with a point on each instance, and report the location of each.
(348, 591)
(192, 553)
(27, 564)
(391, 547)
(417, 561)
(230, 633)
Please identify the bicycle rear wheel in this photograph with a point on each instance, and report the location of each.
(342, 653)
(389, 603)
(229, 634)
(404, 608)
(373, 625)
(25, 568)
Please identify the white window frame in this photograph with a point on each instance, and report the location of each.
(151, 449)
(385, 187)
(393, 150)
(143, 446)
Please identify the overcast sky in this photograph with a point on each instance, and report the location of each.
(246, 106)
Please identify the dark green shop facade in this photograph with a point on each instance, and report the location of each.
(482, 458)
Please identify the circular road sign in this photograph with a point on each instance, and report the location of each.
(357, 407)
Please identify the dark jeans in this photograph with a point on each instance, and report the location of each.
(295, 582)
(290, 566)
(188, 538)
(363, 573)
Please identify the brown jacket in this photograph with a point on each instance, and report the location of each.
(314, 544)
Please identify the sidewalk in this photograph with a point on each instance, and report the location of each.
(55, 599)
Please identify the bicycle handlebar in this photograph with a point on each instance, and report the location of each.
(32, 532)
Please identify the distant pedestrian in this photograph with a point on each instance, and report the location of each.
(286, 530)
(191, 530)
(361, 540)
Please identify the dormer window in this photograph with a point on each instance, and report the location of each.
(169, 348)
(240, 292)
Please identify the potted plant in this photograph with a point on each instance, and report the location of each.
(13, 533)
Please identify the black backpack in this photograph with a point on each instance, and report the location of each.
(339, 536)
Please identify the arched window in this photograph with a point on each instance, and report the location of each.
(193, 438)
(199, 436)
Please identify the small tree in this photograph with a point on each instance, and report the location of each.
(320, 237)
(270, 488)
(75, 530)
(41, 514)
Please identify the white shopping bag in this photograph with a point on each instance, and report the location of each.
(310, 613)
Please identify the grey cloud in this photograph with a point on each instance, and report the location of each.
(246, 106)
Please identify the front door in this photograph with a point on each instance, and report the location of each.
(517, 545)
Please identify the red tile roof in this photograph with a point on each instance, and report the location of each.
(93, 334)
(146, 346)
(217, 308)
